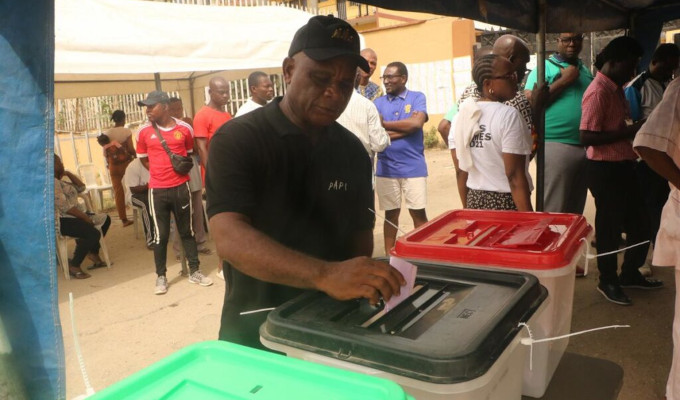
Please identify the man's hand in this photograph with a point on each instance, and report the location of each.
(570, 74)
(361, 277)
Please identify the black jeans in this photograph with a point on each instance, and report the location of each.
(176, 200)
(86, 235)
(619, 208)
(655, 191)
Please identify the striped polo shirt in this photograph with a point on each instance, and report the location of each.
(604, 108)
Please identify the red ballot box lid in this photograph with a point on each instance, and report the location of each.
(523, 240)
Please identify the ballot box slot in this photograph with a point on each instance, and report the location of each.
(418, 313)
(426, 319)
(418, 290)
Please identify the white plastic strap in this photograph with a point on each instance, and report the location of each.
(389, 222)
(530, 340)
(257, 311)
(617, 251)
(588, 256)
(89, 391)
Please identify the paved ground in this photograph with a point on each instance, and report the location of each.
(123, 327)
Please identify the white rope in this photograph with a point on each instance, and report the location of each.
(257, 311)
(89, 391)
(589, 256)
(530, 340)
(617, 251)
(389, 222)
(531, 346)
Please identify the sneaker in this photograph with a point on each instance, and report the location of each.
(161, 285)
(642, 283)
(198, 277)
(614, 294)
(220, 274)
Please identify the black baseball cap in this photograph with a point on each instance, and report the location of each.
(325, 37)
(154, 98)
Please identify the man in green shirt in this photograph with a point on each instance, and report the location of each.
(565, 157)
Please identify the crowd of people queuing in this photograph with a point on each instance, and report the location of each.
(290, 192)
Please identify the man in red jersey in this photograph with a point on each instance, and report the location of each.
(210, 117)
(208, 120)
(168, 190)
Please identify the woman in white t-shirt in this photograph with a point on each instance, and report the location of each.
(491, 143)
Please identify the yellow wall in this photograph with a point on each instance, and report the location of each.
(68, 157)
(436, 39)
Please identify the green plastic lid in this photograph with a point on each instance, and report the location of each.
(227, 371)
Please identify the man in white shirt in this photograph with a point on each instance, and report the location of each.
(136, 181)
(361, 117)
(261, 91)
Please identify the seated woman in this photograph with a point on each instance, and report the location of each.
(491, 143)
(75, 222)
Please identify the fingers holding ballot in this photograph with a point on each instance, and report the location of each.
(408, 271)
(363, 277)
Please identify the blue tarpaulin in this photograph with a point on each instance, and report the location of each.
(28, 288)
(643, 17)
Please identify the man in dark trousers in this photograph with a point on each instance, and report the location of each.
(610, 171)
(168, 190)
(289, 190)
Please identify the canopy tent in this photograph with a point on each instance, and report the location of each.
(644, 18)
(561, 15)
(124, 42)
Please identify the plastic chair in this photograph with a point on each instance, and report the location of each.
(62, 249)
(89, 173)
(135, 210)
(85, 196)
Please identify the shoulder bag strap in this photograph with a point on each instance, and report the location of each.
(165, 145)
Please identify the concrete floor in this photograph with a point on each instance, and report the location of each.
(122, 327)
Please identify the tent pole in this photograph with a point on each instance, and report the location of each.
(191, 96)
(157, 79)
(540, 123)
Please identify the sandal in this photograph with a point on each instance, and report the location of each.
(96, 265)
(78, 274)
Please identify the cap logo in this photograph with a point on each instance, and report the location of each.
(343, 33)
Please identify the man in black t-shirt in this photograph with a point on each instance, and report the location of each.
(289, 190)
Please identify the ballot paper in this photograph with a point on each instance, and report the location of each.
(408, 270)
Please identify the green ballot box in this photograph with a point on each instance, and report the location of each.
(220, 370)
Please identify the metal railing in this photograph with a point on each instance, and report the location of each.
(246, 3)
(79, 121)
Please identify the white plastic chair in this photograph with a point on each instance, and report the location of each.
(135, 210)
(62, 249)
(89, 173)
